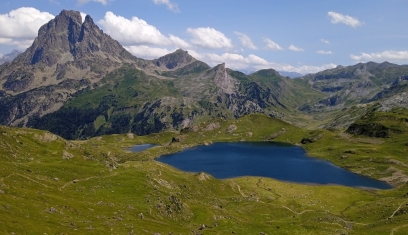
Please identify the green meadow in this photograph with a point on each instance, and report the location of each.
(49, 185)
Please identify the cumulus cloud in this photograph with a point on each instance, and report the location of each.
(294, 48)
(324, 41)
(23, 23)
(232, 60)
(19, 27)
(209, 38)
(392, 56)
(147, 52)
(19, 43)
(254, 63)
(271, 45)
(245, 41)
(104, 2)
(304, 69)
(178, 42)
(171, 6)
(137, 32)
(324, 52)
(344, 19)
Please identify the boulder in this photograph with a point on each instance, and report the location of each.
(369, 129)
(306, 141)
(231, 129)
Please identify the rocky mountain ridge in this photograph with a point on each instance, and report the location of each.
(359, 85)
(75, 71)
(9, 57)
(67, 56)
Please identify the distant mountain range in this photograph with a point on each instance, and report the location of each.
(9, 57)
(290, 74)
(78, 82)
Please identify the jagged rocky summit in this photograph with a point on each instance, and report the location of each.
(66, 56)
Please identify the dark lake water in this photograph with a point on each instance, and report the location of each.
(141, 147)
(278, 161)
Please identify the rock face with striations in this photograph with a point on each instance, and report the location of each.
(223, 80)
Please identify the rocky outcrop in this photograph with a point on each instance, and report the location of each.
(369, 129)
(231, 129)
(400, 80)
(223, 80)
(175, 60)
(275, 135)
(360, 83)
(18, 80)
(17, 109)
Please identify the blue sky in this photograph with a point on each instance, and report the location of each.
(287, 35)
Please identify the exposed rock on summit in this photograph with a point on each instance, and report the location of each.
(66, 56)
(66, 38)
(223, 80)
(175, 60)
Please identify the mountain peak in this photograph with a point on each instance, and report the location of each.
(9, 57)
(176, 59)
(66, 38)
(70, 14)
(267, 72)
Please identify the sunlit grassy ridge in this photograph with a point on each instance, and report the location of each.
(53, 186)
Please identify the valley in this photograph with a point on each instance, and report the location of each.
(51, 185)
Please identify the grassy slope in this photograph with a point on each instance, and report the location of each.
(120, 192)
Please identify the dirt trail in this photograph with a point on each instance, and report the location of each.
(396, 229)
(239, 189)
(85, 179)
(405, 202)
(28, 178)
(298, 213)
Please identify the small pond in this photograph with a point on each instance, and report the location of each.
(279, 161)
(141, 147)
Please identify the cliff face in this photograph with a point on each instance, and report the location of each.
(66, 38)
(66, 56)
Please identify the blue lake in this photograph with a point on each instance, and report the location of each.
(278, 161)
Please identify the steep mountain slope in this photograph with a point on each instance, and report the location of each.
(181, 93)
(353, 84)
(78, 82)
(9, 57)
(360, 85)
(67, 55)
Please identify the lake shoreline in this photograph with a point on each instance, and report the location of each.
(281, 144)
